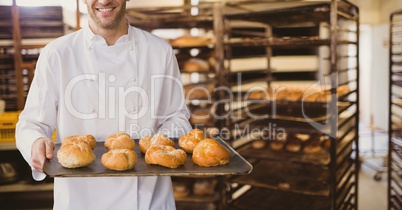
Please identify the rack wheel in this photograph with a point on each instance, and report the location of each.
(377, 176)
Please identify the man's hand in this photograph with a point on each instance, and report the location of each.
(42, 148)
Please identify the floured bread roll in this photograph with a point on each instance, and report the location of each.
(119, 159)
(119, 141)
(75, 153)
(209, 152)
(153, 140)
(87, 139)
(166, 156)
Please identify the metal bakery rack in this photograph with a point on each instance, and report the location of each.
(313, 164)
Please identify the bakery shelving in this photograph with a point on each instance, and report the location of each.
(395, 108)
(332, 121)
(24, 31)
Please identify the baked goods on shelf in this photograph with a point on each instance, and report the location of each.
(180, 189)
(166, 156)
(191, 41)
(258, 144)
(293, 144)
(276, 145)
(119, 159)
(202, 116)
(204, 186)
(297, 93)
(76, 152)
(153, 140)
(313, 144)
(209, 152)
(199, 91)
(188, 141)
(196, 65)
(119, 141)
(88, 139)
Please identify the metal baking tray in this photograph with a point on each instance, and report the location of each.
(236, 166)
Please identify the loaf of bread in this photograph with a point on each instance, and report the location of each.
(119, 159)
(153, 140)
(75, 154)
(119, 141)
(166, 156)
(209, 152)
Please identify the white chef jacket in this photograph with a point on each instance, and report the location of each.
(83, 86)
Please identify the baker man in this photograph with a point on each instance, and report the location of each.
(103, 79)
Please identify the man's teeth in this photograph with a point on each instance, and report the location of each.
(105, 10)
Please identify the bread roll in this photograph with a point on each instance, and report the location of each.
(258, 144)
(187, 142)
(209, 152)
(204, 186)
(190, 41)
(119, 141)
(87, 139)
(75, 154)
(277, 145)
(197, 133)
(199, 91)
(119, 159)
(153, 140)
(313, 144)
(202, 116)
(180, 189)
(293, 144)
(166, 156)
(196, 65)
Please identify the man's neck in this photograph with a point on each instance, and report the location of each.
(110, 35)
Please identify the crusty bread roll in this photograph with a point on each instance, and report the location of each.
(87, 139)
(119, 141)
(187, 142)
(209, 152)
(166, 156)
(119, 159)
(153, 140)
(196, 65)
(75, 154)
(197, 133)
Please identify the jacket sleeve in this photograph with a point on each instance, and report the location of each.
(38, 119)
(173, 114)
